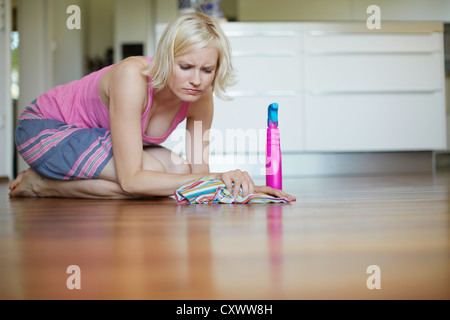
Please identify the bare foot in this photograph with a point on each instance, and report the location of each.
(16, 181)
(24, 184)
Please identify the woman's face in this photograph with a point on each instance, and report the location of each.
(194, 73)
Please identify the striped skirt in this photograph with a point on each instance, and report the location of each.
(57, 150)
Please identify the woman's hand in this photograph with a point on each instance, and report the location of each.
(274, 192)
(242, 179)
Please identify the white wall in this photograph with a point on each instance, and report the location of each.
(447, 103)
(341, 10)
(100, 27)
(34, 77)
(34, 66)
(293, 10)
(49, 54)
(166, 10)
(131, 24)
(406, 10)
(67, 45)
(134, 22)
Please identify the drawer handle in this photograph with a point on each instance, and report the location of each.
(287, 93)
(343, 92)
(335, 53)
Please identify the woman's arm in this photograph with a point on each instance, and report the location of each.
(198, 124)
(127, 100)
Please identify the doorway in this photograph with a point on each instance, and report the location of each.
(6, 105)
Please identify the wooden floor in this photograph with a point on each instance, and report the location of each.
(319, 247)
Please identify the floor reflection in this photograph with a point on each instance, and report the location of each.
(274, 214)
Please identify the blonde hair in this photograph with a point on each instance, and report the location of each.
(187, 33)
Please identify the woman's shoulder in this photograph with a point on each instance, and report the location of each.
(129, 70)
(126, 74)
(134, 62)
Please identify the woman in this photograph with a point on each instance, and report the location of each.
(68, 134)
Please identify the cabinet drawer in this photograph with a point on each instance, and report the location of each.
(373, 72)
(265, 45)
(366, 42)
(375, 122)
(270, 74)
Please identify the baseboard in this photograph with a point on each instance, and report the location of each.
(331, 164)
(334, 164)
(443, 160)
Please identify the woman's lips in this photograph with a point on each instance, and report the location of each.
(192, 91)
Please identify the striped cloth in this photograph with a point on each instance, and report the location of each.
(209, 191)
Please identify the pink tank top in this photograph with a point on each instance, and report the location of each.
(78, 103)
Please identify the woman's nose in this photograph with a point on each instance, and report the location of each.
(195, 79)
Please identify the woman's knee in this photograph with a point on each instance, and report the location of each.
(150, 162)
(179, 165)
(164, 160)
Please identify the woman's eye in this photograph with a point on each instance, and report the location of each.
(207, 70)
(182, 67)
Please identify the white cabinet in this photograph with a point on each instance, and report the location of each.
(269, 65)
(374, 92)
(340, 86)
(374, 122)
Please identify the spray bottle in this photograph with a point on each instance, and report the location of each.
(273, 150)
